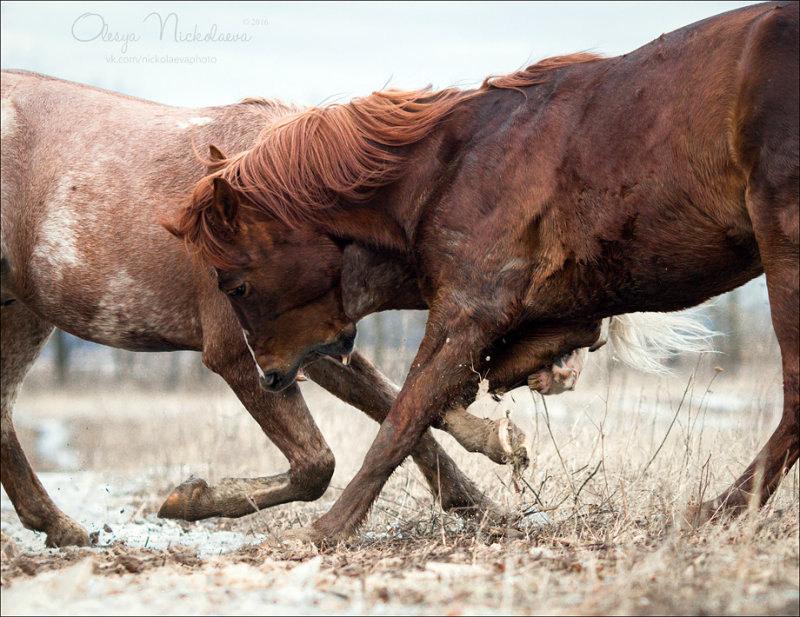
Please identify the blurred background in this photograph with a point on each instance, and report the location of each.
(110, 432)
(210, 53)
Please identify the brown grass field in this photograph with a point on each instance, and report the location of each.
(614, 465)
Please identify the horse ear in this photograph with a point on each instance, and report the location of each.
(217, 159)
(226, 204)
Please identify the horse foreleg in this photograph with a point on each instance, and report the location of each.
(24, 335)
(440, 372)
(546, 357)
(285, 419)
(500, 439)
(362, 385)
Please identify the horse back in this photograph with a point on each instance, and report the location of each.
(86, 174)
(624, 180)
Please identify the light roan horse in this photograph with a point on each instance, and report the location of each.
(85, 174)
(528, 210)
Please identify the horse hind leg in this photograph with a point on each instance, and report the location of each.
(285, 419)
(776, 458)
(773, 208)
(24, 335)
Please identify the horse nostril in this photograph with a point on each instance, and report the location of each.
(268, 380)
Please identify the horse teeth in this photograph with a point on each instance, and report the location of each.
(346, 359)
(301, 376)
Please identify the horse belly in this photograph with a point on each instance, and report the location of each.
(115, 309)
(667, 275)
(137, 327)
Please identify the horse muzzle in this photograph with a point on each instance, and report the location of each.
(275, 380)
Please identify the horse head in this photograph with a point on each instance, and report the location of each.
(282, 281)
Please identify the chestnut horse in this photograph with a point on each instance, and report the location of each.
(84, 175)
(526, 211)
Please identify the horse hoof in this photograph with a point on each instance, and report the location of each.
(302, 536)
(189, 501)
(540, 381)
(697, 515)
(715, 510)
(514, 443)
(67, 533)
(534, 520)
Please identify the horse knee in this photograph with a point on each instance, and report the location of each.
(312, 477)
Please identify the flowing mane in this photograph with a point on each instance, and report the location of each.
(306, 164)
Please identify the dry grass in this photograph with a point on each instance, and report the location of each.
(614, 465)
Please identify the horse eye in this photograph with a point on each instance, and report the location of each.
(238, 292)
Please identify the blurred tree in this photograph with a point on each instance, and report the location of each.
(61, 356)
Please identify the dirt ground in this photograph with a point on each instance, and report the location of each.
(614, 465)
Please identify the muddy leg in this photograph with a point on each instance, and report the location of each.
(366, 388)
(362, 385)
(24, 335)
(285, 419)
(499, 439)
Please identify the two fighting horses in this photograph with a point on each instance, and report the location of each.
(521, 214)
(85, 175)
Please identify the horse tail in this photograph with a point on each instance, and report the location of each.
(645, 340)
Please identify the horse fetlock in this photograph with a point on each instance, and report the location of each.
(311, 480)
(500, 440)
(459, 495)
(302, 536)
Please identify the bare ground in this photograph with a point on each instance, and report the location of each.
(614, 466)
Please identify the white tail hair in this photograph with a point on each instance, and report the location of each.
(645, 340)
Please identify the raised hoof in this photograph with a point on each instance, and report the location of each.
(191, 500)
(562, 376)
(486, 510)
(540, 381)
(66, 533)
(513, 444)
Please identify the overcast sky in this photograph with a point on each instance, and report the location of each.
(315, 52)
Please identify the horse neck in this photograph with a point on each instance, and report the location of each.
(388, 220)
(375, 281)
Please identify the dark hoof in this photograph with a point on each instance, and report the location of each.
(698, 515)
(67, 533)
(189, 501)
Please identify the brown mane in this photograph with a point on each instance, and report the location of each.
(307, 163)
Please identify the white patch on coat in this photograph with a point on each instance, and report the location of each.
(115, 307)
(56, 242)
(128, 304)
(8, 118)
(194, 122)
